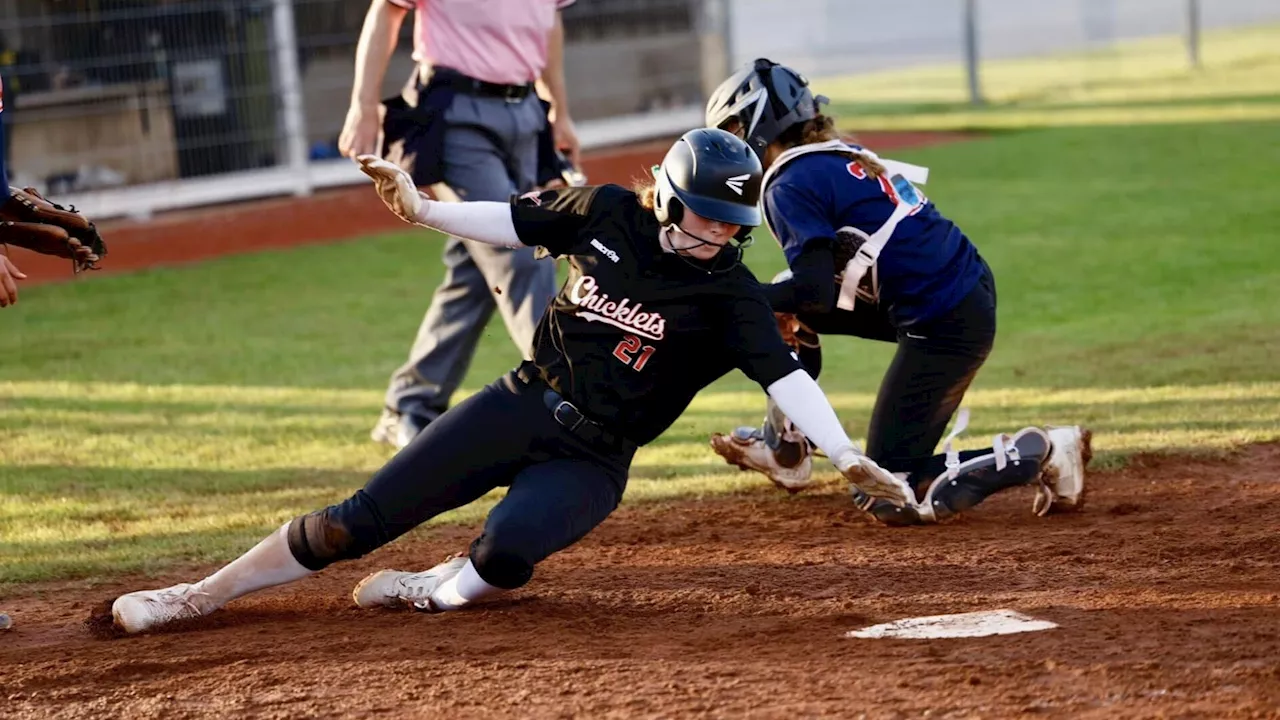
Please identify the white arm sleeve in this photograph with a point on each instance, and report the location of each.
(803, 401)
(482, 221)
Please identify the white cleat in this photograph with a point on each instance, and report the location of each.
(746, 448)
(148, 609)
(384, 431)
(1062, 479)
(874, 481)
(393, 588)
(392, 430)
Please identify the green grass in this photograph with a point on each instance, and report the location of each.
(174, 416)
(1146, 81)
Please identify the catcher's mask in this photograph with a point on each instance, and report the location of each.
(715, 175)
(760, 101)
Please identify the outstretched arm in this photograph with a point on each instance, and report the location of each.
(800, 398)
(764, 357)
(552, 219)
(486, 222)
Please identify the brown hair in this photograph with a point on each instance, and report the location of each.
(823, 129)
(647, 191)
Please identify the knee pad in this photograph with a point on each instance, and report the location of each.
(499, 564)
(1013, 461)
(345, 531)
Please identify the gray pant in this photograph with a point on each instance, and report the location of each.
(490, 152)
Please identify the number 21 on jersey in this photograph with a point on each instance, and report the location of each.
(627, 349)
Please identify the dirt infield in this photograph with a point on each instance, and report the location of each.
(327, 216)
(1167, 591)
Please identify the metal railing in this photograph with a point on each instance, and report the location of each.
(138, 106)
(843, 37)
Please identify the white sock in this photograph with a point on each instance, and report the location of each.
(267, 564)
(462, 589)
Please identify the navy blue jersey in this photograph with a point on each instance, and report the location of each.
(927, 267)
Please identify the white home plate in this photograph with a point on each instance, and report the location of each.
(964, 625)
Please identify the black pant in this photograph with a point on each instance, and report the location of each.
(560, 486)
(934, 366)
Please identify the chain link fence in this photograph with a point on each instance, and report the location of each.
(106, 94)
(843, 37)
(147, 105)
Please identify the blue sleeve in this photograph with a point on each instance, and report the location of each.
(797, 215)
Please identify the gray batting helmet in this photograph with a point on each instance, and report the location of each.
(765, 99)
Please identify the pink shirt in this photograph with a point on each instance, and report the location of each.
(498, 41)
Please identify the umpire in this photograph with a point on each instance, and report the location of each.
(466, 128)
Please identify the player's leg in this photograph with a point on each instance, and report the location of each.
(477, 446)
(550, 506)
(1062, 486)
(1055, 456)
(922, 391)
(777, 449)
(932, 369)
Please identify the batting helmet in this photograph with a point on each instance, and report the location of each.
(712, 173)
(765, 99)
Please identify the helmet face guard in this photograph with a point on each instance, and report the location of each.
(729, 255)
(762, 100)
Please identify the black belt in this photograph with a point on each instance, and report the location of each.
(445, 77)
(573, 420)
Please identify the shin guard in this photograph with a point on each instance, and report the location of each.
(1013, 461)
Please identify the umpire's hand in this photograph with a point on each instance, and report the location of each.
(360, 131)
(566, 139)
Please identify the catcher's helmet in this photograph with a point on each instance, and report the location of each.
(765, 99)
(715, 175)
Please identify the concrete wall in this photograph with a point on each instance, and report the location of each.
(128, 128)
